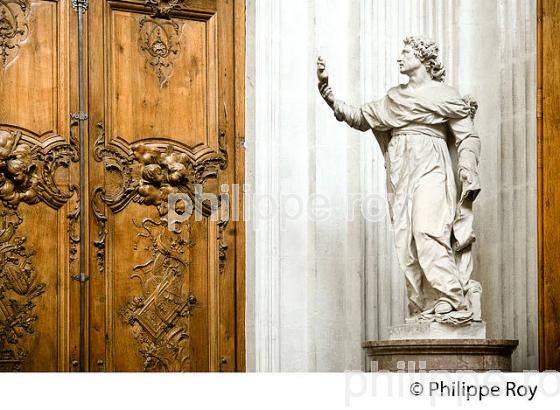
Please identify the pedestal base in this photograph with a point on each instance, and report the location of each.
(434, 330)
(449, 355)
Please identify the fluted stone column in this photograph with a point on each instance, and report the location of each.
(263, 189)
(305, 287)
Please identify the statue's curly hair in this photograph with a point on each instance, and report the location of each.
(427, 51)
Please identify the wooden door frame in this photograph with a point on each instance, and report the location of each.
(548, 140)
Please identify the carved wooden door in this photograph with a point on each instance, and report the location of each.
(36, 319)
(163, 283)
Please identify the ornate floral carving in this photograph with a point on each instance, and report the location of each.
(151, 170)
(11, 360)
(162, 8)
(14, 15)
(18, 289)
(74, 214)
(28, 167)
(73, 234)
(159, 316)
(98, 212)
(222, 245)
(159, 41)
(27, 174)
(222, 225)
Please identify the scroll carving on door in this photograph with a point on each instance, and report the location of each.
(14, 15)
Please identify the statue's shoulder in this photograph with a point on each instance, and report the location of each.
(398, 89)
(435, 92)
(448, 94)
(393, 91)
(443, 92)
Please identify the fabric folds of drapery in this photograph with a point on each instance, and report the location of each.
(433, 225)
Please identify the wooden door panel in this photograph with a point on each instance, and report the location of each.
(30, 62)
(139, 266)
(163, 115)
(162, 78)
(35, 154)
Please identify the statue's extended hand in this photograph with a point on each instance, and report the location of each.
(323, 77)
(322, 74)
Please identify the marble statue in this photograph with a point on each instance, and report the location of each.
(425, 130)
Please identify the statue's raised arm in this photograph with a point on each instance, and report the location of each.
(353, 116)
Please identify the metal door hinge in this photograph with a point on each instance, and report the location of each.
(82, 278)
(79, 116)
(80, 5)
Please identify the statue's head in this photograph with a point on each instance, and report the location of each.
(418, 52)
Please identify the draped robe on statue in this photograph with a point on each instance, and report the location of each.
(430, 206)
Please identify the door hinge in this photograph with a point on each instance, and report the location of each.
(79, 116)
(80, 5)
(82, 278)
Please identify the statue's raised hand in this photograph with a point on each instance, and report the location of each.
(322, 74)
(323, 77)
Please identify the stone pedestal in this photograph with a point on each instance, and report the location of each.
(449, 355)
(434, 330)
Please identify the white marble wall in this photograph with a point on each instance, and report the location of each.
(321, 278)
